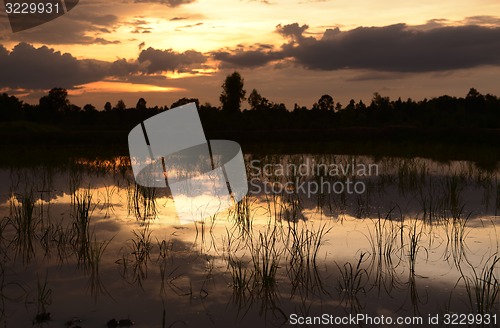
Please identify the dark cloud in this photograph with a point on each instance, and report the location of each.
(191, 17)
(170, 3)
(123, 68)
(104, 41)
(43, 68)
(168, 60)
(95, 19)
(432, 24)
(159, 80)
(140, 26)
(482, 20)
(264, 46)
(376, 76)
(65, 31)
(252, 58)
(27, 67)
(292, 31)
(395, 48)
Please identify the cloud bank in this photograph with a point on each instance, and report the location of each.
(394, 48)
(27, 67)
(30, 68)
(388, 50)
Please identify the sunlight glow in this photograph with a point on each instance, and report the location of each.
(111, 87)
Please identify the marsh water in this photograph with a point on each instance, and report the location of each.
(81, 244)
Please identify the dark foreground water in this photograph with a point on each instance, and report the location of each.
(347, 241)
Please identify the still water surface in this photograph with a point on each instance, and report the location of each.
(82, 244)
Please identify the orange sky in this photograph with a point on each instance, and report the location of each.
(167, 49)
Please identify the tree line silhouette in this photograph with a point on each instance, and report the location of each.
(262, 118)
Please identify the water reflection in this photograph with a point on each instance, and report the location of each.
(78, 241)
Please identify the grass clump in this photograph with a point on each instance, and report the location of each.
(483, 288)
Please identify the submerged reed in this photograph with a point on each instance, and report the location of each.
(415, 233)
(96, 252)
(456, 234)
(140, 246)
(44, 296)
(240, 275)
(386, 240)
(266, 257)
(107, 205)
(243, 216)
(142, 201)
(302, 246)
(25, 224)
(352, 278)
(483, 288)
(83, 209)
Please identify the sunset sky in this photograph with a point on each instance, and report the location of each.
(291, 51)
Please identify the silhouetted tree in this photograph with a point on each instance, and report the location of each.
(473, 94)
(141, 104)
(232, 93)
(279, 108)
(257, 102)
(73, 108)
(472, 110)
(325, 103)
(474, 101)
(338, 107)
(360, 105)
(10, 107)
(297, 108)
(254, 99)
(351, 106)
(107, 106)
(89, 114)
(89, 108)
(379, 102)
(55, 102)
(120, 105)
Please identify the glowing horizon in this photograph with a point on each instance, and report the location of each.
(187, 49)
